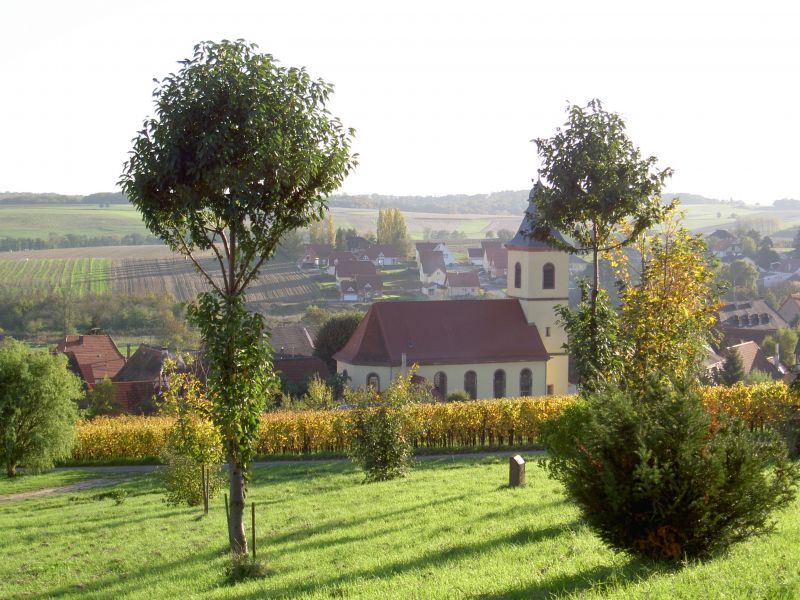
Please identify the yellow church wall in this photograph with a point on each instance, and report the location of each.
(455, 376)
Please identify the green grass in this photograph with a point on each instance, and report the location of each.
(451, 529)
(23, 221)
(77, 276)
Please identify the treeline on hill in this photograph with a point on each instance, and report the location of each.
(39, 315)
(74, 240)
(506, 202)
(31, 198)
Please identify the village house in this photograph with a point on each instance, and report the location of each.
(424, 247)
(487, 247)
(752, 320)
(91, 357)
(381, 255)
(315, 255)
(462, 284)
(497, 259)
(475, 256)
(362, 288)
(432, 268)
(350, 269)
(338, 256)
(488, 348)
(790, 309)
(753, 358)
(724, 245)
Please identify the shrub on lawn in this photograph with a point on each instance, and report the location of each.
(192, 445)
(380, 442)
(656, 475)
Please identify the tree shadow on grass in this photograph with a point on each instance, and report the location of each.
(429, 560)
(119, 585)
(602, 578)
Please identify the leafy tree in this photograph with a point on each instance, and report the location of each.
(732, 368)
(786, 337)
(333, 335)
(757, 376)
(766, 255)
(392, 230)
(101, 400)
(382, 435)
(597, 190)
(668, 317)
(240, 152)
(768, 345)
(602, 363)
(490, 235)
(291, 246)
(796, 245)
(37, 407)
(342, 235)
(741, 275)
(504, 234)
(193, 444)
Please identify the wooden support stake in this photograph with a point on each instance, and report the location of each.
(253, 527)
(228, 518)
(205, 489)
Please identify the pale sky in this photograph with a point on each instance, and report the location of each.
(444, 96)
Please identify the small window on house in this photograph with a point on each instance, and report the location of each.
(440, 384)
(548, 277)
(525, 382)
(550, 389)
(499, 383)
(374, 381)
(546, 332)
(517, 275)
(471, 384)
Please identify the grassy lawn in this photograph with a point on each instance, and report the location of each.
(38, 221)
(449, 530)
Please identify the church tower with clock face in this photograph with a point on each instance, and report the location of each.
(538, 277)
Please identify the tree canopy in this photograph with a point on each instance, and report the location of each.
(37, 407)
(241, 151)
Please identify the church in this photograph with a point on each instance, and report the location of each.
(487, 348)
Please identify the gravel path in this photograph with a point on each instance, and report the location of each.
(86, 484)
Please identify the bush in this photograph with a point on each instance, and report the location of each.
(457, 396)
(658, 476)
(37, 407)
(381, 443)
(191, 444)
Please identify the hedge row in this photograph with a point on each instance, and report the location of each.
(487, 423)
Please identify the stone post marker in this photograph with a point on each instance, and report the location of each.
(516, 471)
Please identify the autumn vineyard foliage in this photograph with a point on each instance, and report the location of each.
(482, 423)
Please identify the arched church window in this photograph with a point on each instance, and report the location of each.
(440, 384)
(499, 383)
(525, 382)
(471, 384)
(548, 277)
(517, 275)
(374, 381)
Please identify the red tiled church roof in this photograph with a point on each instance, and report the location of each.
(453, 332)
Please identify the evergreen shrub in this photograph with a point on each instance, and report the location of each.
(657, 475)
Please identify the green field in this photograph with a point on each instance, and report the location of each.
(77, 276)
(451, 529)
(38, 221)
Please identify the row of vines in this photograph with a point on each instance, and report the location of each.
(77, 276)
(482, 423)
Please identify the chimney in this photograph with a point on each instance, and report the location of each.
(403, 363)
(128, 353)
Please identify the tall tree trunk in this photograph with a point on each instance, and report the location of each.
(236, 520)
(11, 469)
(595, 288)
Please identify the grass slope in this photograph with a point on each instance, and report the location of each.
(38, 221)
(449, 530)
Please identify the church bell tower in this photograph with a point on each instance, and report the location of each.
(538, 276)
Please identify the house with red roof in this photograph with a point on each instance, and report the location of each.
(496, 261)
(421, 247)
(352, 268)
(92, 357)
(362, 288)
(432, 267)
(488, 348)
(381, 255)
(462, 284)
(315, 255)
(475, 256)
